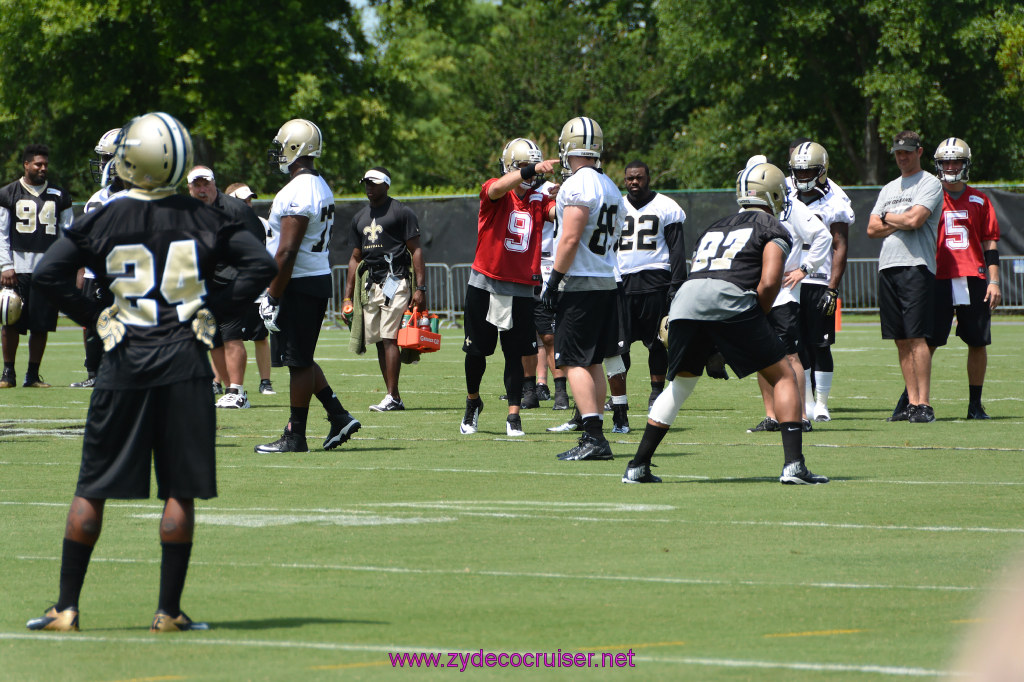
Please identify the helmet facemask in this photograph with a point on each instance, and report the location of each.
(953, 149)
(809, 156)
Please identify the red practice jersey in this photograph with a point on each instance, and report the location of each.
(508, 236)
(966, 222)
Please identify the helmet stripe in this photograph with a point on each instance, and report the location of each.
(177, 148)
(588, 132)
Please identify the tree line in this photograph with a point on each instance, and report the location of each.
(432, 89)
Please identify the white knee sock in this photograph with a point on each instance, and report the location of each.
(666, 407)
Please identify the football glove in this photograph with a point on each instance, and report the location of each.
(204, 326)
(827, 304)
(269, 309)
(549, 298)
(347, 313)
(715, 366)
(110, 329)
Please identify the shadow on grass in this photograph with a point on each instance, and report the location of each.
(296, 622)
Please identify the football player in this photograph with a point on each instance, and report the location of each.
(388, 236)
(581, 289)
(544, 320)
(228, 354)
(810, 185)
(111, 186)
(33, 213)
(294, 305)
(652, 262)
(155, 251)
(906, 216)
(967, 267)
(506, 268)
(811, 244)
(735, 275)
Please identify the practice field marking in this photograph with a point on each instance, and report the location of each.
(401, 570)
(63, 640)
(815, 633)
(270, 520)
(348, 666)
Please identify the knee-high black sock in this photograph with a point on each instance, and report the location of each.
(297, 420)
(173, 567)
(792, 441)
(650, 441)
(93, 352)
(74, 563)
(594, 426)
(514, 379)
(560, 384)
(475, 366)
(974, 393)
(330, 401)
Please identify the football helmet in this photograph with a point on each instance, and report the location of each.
(153, 152)
(763, 185)
(953, 149)
(298, 137)
(10, 306)
(104, 155)
(518, 153)
(581, 136)
(809, 155)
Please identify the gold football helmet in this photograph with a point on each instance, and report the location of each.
(519, 152)
(10, 306)
(764, 185)
(953, 149)
(809, 155)
(104, 155)
(153, 152)
(581, 136)
(296, 138)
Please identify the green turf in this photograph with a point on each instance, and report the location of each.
(414, 538)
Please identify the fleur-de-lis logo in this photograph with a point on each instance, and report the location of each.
(373, 230)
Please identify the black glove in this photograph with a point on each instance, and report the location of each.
(549, 299)
(827, 304)
(715, 366)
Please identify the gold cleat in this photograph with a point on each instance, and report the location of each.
(36, 383)
(162, 622)
(56, 621)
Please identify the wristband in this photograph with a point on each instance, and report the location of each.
(991, 257)
(421, 288)
(994, 282)
(271, 300)
(528, 171)
(555, 279)
(884, 213)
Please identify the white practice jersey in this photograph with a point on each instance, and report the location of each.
(642, 244)
(804, 228)
(547, 242)
(589, 188)
(831, 207)
(307, 195)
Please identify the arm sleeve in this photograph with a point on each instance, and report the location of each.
(54, 278)
(240, 249)
(674, 238)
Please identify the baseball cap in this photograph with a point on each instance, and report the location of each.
(200, 172)
(905, 145)
(376, 177)
(243, 193)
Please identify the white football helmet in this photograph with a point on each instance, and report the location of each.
(298, 137)
(809, 155)
(153, 152)
(764, 185)
(104, 155)
(953, 149)
(581, 136)
(10, 306)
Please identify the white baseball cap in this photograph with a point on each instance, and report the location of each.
(200, 172)
(376, 177)
(243, 193)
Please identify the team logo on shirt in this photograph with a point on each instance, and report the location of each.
(373, 230)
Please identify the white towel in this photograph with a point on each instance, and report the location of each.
(961, 296)
(499, 311)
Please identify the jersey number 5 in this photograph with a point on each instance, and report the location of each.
(133, 268)
(956, 233)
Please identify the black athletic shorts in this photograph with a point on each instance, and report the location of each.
(482, 336)
(587, 328)
(973, 321)
(645, 313)
(543, 320)
(906, 302)
(246, 327)
(173, 425)
(300, 318)
(815, 329)
(37, 315)
(785, 320)
(747, 342)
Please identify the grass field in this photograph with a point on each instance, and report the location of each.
(412, 538)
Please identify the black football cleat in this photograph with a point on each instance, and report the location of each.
(543, 392)
(639, 474)
(162, 622)
(901, 412)
(766, 424)
(56, 621)
(976, 411)
(797, 473)
(288, 442)
(588, 448)
(921, 414)
(342, 427)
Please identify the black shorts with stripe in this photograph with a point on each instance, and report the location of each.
(588, 328)
(816, 329)
(482, 336)
(171, 425)
(303, 307)
(246, 327)
(747, 342)
(785, 320)
(973, 321)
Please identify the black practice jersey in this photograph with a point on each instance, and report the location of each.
(732, 248)
(384, 230)
(33, 219)
(239, 212)
(157, 259)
